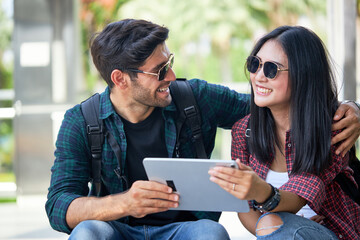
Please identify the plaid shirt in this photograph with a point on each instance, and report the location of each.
(219, 107)
(323, 195)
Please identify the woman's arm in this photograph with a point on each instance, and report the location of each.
(249, 220)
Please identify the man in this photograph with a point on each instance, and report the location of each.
(137, 109)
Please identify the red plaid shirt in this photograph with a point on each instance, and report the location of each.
(323, 195)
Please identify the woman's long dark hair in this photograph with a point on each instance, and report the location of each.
(313, 102)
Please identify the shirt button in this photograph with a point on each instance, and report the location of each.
(340, 236)
(289, 145)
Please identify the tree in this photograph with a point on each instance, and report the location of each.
(95, 14)
(6, 27)
(6, 82)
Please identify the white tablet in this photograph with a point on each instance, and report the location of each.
(190, 179)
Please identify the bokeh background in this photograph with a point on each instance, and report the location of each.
(45, 65)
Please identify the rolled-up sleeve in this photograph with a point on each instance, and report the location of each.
(312, 187)
(307, 186)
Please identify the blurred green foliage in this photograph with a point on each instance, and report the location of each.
(6, 82)
(6, 69)
(7, 177)
(211, 39)
(8, 200)
(6, 146)
(94, 15)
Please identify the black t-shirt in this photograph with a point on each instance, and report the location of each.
(147, 139)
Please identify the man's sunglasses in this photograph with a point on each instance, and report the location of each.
(162, 71)
(270, 69)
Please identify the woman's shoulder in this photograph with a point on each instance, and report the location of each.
(239, 130)
(242, 124)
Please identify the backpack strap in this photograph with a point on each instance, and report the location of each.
(185, 102)
(119, 171)
(345, 183)
(95, 133)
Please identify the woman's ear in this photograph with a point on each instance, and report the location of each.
(119, 78)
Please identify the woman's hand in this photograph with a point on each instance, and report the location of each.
(243, 183)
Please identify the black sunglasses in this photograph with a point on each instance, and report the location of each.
(162, 71)
(270, 69)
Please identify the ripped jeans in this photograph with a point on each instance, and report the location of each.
(295, 227)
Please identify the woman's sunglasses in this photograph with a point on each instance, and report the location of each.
(270, 69)
(162, 71)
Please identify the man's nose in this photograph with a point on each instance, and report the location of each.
(170, 75)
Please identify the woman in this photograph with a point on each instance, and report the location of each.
(283, 148)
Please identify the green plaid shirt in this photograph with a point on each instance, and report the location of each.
(219, 107)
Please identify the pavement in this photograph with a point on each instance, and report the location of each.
(26, 220)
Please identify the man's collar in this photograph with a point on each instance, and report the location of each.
(171, 107)
(106, 107)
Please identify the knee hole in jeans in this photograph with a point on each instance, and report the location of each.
(268, 224)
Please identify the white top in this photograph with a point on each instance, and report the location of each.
(277, 179)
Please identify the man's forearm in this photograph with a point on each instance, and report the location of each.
(93, 208)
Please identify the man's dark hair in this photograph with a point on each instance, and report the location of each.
(125, 44)
(313, 101)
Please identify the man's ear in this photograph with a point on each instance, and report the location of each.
(119, 78)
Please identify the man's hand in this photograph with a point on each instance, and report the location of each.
(143, 198)
(348, 117)
(146, 197)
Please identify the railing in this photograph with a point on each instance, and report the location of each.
(9, 112)
(7, 189)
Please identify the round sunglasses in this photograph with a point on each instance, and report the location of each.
(270, 69)
(162, 71)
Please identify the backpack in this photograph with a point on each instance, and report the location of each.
(346, 185)
(188, 113)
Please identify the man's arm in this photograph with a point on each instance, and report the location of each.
(68, 204)
(220, 104)
(347, 118)
(143, 198)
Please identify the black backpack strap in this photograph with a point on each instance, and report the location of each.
(119, 171)
(185, 102)
(95, 131)
(345, 183)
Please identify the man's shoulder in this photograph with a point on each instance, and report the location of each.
(203, 88)
(73, 119)
(199, 83)
(226, 104)
(74, 111)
